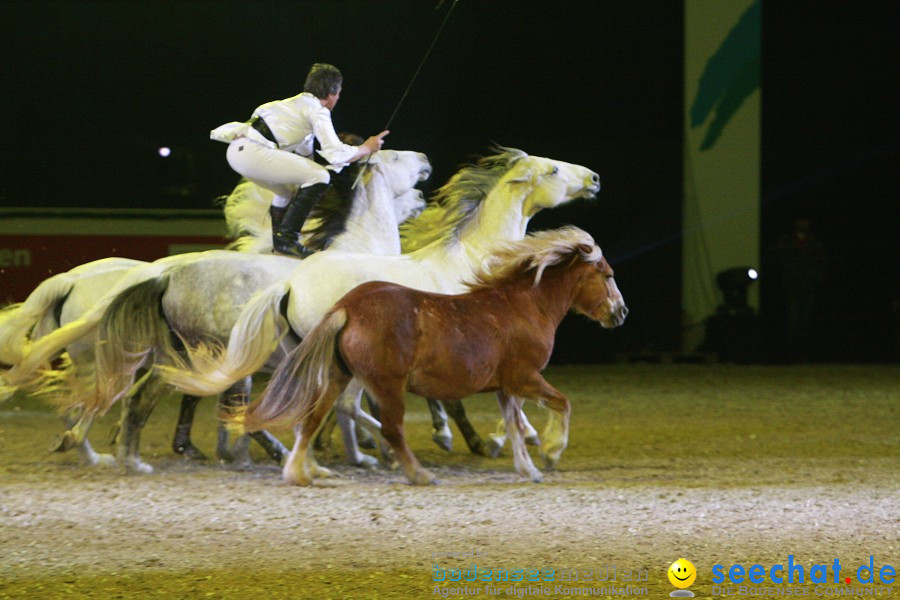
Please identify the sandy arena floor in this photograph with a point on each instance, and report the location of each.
(718, 464)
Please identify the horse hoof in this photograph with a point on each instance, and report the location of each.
(537, 477)
(423, 477)
(443, 441)
(550, 461)
(242, 459)
(103, 460)
(478, 448)
(365, 461)
(388, 459)
(493, 448)
(224, 457)
(320, 471)
(138, 467)
(365, 440)
(63, 442)
(533, 440)
(190, 451)
(302, 480)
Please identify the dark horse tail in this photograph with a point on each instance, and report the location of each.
(301, 380)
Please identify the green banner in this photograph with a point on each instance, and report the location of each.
(721, 153)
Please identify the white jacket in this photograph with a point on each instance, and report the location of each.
(295, 122)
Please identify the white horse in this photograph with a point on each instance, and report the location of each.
(56, 301)
(495, 198)
(67, 296)
(369, 223)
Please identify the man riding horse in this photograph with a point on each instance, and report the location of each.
(274, 149)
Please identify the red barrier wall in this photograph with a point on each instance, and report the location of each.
(34, 247)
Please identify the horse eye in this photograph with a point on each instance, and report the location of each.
(555, 171)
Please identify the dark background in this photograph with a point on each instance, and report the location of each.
(92, 89)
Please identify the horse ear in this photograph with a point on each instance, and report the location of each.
(525, 177)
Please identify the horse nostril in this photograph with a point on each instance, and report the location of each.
(623, 312)
(595, 178)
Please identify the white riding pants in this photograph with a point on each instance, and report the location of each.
(279, 171)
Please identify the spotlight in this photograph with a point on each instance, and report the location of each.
(734, 283)
(176, 171)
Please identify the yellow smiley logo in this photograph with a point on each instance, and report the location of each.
(682, 573)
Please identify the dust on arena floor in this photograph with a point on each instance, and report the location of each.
(715, 463)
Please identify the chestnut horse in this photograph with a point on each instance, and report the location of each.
(497, 337)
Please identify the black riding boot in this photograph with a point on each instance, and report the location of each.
(286, 239)
(276, 213)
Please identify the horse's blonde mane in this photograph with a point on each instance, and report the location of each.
(456, 203)
(537, 251)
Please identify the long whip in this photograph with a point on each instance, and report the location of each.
(413, 80)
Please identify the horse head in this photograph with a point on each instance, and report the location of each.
(597, 296)
(402, 169)
(547, 183)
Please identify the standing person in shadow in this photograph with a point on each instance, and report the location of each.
(802, 262)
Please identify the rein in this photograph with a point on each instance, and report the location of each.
(413, 80)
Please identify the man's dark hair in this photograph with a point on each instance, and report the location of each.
(323, 80)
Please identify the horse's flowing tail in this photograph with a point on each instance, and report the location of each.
(67, 385)
(132, 330)
(38, 354)
(254, 337)
(20, 323)
(301, 380)
(247, 218)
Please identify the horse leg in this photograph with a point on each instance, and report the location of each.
(136, 408)
(347, 410)
(364, 436)
(234, 397)
(75, 435)
(85, 451)
(458, 413)
(556, 433)
(531, 434)
(271, 444)
(441, 435)
(181, 442)
(392, 409)
(300, 467)
(372, 426)
(509, 408)
(498, 438)
(323, 438)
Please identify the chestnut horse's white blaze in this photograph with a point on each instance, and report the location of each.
(394, 339)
